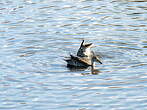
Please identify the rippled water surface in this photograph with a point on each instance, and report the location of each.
(36, 35)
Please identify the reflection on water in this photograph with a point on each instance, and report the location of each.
(36, 35)
(77, 68)
(92, 70)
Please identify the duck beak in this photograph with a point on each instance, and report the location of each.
(98, 60)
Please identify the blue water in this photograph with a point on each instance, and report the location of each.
(36, 35)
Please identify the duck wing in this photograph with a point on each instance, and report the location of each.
(82, 60)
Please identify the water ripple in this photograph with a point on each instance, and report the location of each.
(37, 35)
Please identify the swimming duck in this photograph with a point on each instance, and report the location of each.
(85, 57)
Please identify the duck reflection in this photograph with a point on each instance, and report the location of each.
(95, 71)
(92, 70)
(73, 68)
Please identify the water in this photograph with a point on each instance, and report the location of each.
(36, 35)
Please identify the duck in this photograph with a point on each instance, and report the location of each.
(85, 57)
